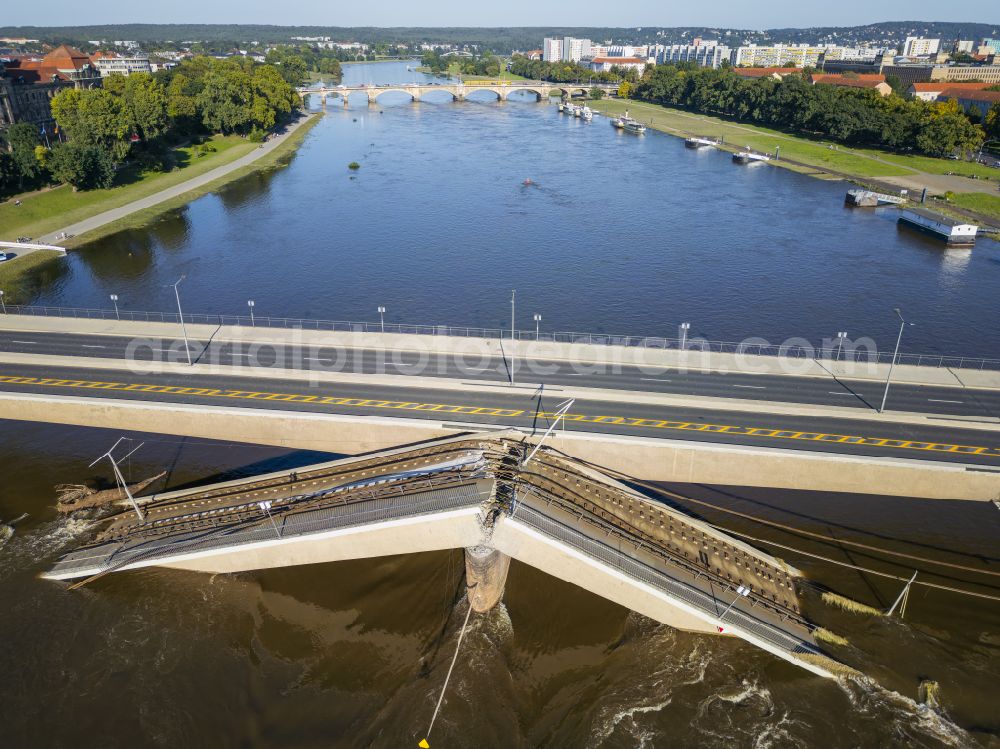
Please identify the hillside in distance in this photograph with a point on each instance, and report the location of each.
(502, 39)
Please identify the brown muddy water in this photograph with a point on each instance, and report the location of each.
(354, 654)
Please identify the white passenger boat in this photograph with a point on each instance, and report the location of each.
(699, 142)
(632, 126)
(587, 113)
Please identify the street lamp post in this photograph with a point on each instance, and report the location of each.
(381, 317)
(3, 304)
(895, 354)
(742, 592)
(685, 327)
(114, 301)
(538, 319)
(180, 314)
(513, 296)
(251, 303)
(841, 337)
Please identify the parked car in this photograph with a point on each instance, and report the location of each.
(3, 256)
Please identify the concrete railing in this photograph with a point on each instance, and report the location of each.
(750, 346)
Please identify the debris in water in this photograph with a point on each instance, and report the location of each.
(7, 529)
(928, 694)
(73, 497)
(849, 604)
(826, 635)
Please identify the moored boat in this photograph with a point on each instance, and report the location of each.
(587, 113)
(631, 126)
(699, 142)
(954, 233)
(749, 157)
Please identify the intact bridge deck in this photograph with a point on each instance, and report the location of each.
(458, 90)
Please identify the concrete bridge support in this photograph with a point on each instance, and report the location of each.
(486, 576)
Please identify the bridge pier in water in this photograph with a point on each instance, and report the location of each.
(485, 576)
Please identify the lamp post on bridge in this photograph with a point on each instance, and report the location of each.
(513, 295)
(841, 337)
(742, 592)
(538, 319)
(180, 314)
(251, 303)
(685, 327)
(902, 325)
(381, 317)
(114, 301)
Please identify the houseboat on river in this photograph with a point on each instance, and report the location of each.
(954, 233)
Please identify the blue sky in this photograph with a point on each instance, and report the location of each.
(743, 14)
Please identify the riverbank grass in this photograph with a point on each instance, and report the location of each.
(48, 210)
(844, 161)
(978, 202)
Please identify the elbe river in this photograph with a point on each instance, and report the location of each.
(617, 234)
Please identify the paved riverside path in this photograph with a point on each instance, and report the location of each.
(101, 219)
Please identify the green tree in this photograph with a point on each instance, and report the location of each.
(274, 98)
(991, 123)
(84, 166)
(182, 101)
(226, 98)
(625, 90)
(597, 93)
(22, 138)
(8, 174)
(146, 105)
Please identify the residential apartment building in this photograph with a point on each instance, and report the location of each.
(552, 50)
(993, 45)
(707, 54)
(799, 55)
(567, 49)
(112, 62)
(916, 46)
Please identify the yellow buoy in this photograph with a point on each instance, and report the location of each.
(423, 744)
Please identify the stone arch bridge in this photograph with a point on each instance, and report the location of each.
(458, 91)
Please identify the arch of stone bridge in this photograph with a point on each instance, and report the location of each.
(375, 93)
(541, 93)
(469, 89)
(568, 91)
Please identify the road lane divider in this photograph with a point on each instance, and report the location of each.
(628, 422)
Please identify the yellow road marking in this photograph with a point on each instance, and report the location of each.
(625, 421)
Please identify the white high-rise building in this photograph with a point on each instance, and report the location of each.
(552, 50)
(708, 55)
(574, 50)
(916, 46)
